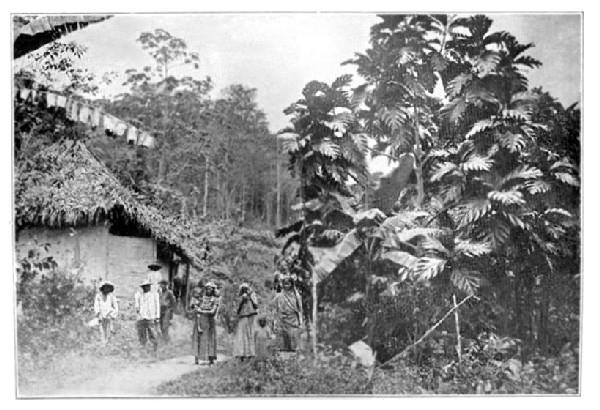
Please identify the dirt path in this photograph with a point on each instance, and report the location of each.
(134, 381)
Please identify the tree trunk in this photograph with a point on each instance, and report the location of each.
(205, 200)
(369, 300)
(457, 327)
(278, 172)
(243, 217)
(544, 308)
(162, 169)
(418, 153)
(314, 313)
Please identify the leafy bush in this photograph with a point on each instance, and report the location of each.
(331, 373)
(489, 365)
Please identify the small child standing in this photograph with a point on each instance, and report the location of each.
(262, 338)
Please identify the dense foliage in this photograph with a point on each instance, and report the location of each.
(466, 281)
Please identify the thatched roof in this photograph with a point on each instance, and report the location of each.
(33, 33)
(66, 186)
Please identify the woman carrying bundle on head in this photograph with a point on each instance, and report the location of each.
(243, 345)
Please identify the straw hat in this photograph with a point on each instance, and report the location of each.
(106, 284)
(146, 283)
(156, 265)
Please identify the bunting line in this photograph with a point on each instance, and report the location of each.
(91, 115)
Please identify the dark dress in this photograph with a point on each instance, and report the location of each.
(204, 341)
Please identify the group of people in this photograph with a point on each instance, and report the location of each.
(254, 341)
(253, 335)
(154, 309)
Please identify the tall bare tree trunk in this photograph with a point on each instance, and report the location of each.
(243, 203)
(314, 313)
(418, 152)
(278, 171)
(205, 204)
(457, 327)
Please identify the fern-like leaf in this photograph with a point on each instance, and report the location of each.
(467, 281)
(511, 197)
(456, 85)
(522, 172)
(537, 187)
(454, 109)
(427, 268)
(470, 248)
(498, 233)
(443, 169)
(512, 142)
(328, 148)
(566, 178)
(480, 126)
(474, 210)
(487, 62)
(477, 163)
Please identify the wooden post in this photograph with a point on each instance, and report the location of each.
(457, 324)
(187, 286)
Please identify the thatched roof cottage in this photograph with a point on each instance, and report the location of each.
(96, 227)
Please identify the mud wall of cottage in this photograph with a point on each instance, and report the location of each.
(95, 254)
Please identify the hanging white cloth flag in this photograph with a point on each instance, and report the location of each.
(61, 101)
(95, 117)
(120, 127)
(24, 93)
(84, 114)
(146, 140)
(50, 99)
(131, 135)
(72, 110)
(109, 123)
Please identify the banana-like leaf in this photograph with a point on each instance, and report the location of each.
(328, 259)
(370, 217)
(404, 259)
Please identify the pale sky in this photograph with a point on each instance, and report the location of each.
(279, 53)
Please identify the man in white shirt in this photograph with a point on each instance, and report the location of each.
(106, 309)
(147, 307)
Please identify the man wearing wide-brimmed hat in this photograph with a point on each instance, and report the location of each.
(147, 306)
(106, 309)
(154, 274)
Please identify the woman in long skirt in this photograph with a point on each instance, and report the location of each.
(243, 346)
(288, 314)
(204, 335)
